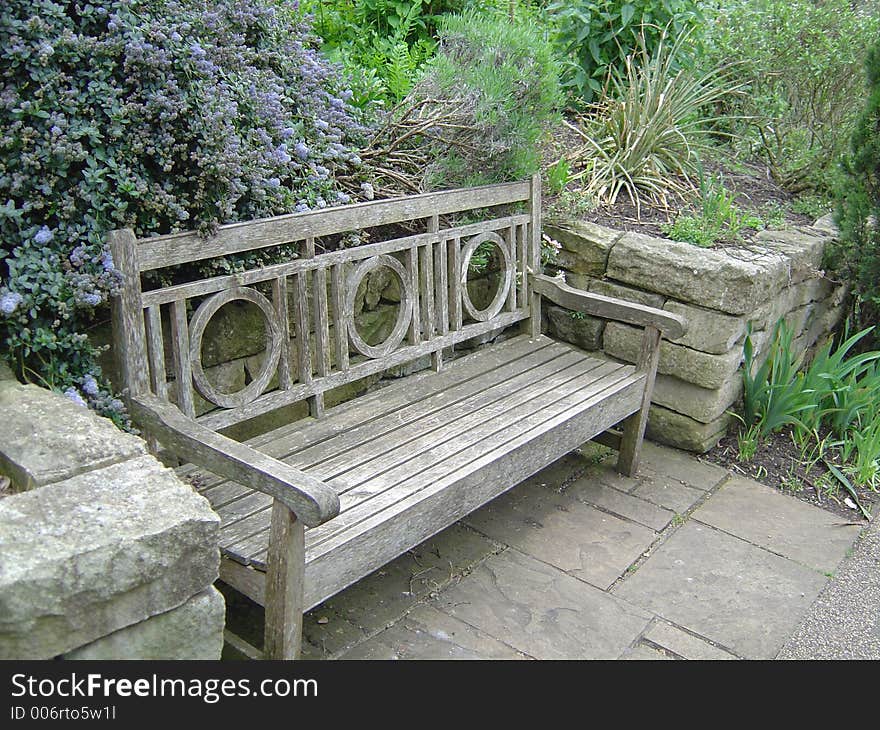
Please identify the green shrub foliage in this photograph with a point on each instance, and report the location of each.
(596, 36)
(857, 253)
(505, 78)
(801, 62)
(159, 115)
(382, 44)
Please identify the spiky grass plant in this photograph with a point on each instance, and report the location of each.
(646, 134)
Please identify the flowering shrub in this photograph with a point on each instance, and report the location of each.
(159, 115)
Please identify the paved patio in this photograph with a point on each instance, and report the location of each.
(684, 562)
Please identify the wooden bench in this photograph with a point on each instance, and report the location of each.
(313, 506)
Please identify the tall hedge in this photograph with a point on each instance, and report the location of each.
(856, 255)
(160, 115)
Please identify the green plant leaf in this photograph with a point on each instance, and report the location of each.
(841, 477)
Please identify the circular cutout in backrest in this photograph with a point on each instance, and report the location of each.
(503, 288)
(404, 312)
(208, 309)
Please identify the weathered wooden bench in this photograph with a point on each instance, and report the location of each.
(313, 506)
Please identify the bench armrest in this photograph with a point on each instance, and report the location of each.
(558, 292)
(312, 501)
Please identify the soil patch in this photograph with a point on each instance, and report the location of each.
(779, 463)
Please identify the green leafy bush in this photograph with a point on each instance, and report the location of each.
(507, 76)
(154, 114)
(856, 255)
(382, 45)
(801, 61)
(595, 37)
(476, 115)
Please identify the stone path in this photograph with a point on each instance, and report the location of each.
(578, 562)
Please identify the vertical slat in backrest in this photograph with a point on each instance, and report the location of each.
(312, 342)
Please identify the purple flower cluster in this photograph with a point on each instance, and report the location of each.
(44, 236)
(75, 396)
(90, 385)
(9, 302)
(154, 116)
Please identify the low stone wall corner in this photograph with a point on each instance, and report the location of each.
(106, 554)
(722, 293)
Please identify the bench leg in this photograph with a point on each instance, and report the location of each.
(634, 426)
(284, 585)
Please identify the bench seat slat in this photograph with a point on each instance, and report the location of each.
(359, 443)
(333, 455)
(444, 501)
(458, 461)
(452, 426)
(421, 387)
(409, 475)
(447, 429)
(454, 430)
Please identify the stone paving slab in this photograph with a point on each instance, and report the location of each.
(766, 517)
(844, 623)
(667, 493)
(388, 593)
(427, 633)
(642, 652)
(588, 489)
(542, 611)
(663, 490)
(736, 594)
(684, 644)
(681, 466)
(568, 468)
(377, 600)
(581, 540)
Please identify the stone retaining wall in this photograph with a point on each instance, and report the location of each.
(719, 291)
(105, 553)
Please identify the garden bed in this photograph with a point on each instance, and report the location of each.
(754, 190)
(756, 194)
(779, 463)
(722, 292)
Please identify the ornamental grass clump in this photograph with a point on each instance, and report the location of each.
(158, 115)
(832, 404)
(646, 133)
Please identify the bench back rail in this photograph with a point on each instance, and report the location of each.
(309, 303)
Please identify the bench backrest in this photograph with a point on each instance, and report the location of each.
(308, 302)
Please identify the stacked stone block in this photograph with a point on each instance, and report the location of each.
(106, 554)
(721, 292)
